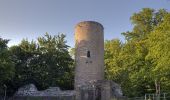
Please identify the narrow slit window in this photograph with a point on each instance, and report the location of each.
(88, 54)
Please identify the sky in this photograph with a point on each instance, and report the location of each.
(33, 18)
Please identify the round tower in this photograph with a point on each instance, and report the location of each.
(89, 52)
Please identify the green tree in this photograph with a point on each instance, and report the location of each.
(22, 56)
(72, 52)
(140, 75)
(159, 47)
(144, 22)
(45, 63)
(57, 60)
(128, 63)
(7, 70)
(113, 63)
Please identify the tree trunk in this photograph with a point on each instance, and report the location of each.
(157, 87)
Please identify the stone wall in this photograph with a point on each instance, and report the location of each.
(93, 90)
(43, 98)
(100, 90)
(30, 92)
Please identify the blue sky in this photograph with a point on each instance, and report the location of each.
(32, 18)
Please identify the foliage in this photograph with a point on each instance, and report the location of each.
(142, 62)
(6, 65)
(45, 63)
(72, 52)
(112, 59)
(56, 59)
(159, 47)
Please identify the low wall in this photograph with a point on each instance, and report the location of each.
(43, 98)
(94, 90)
(30, 92)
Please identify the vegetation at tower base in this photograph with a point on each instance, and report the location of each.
(45, 63)
(141, 64)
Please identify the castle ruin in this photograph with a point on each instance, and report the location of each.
(89, 72)
(89, 58)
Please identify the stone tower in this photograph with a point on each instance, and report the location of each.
(89, 52)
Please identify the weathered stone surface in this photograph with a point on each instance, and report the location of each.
(116, 90)
(43, 98)
(89, 52)
(99, 90)
(31, 90)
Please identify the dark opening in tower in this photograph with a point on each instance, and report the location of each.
(88, 54)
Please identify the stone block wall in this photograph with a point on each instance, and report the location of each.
(30, 92)
(99, 90)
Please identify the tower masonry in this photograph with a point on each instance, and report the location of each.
(89, 52)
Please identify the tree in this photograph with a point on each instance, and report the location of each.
(57, 60)
(22, 56)
(6, 65)
(45, 63)
(159, 47)
(113, 64)
(132, 64)
(144, 23)
(72, 52)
